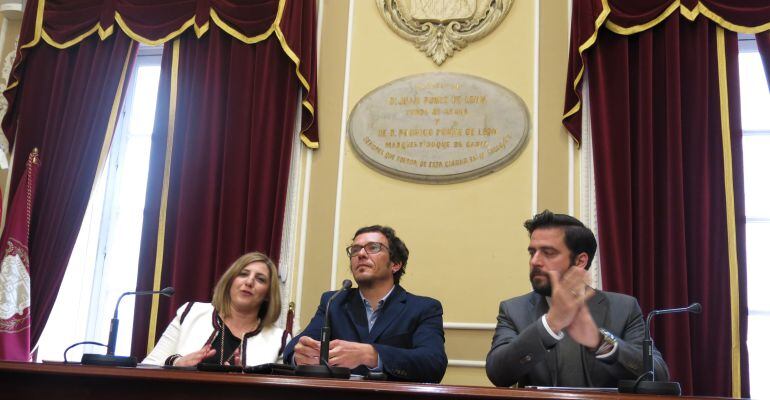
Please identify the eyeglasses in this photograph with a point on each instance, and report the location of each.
(370, 248)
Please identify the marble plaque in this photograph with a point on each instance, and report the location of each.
(438, 127)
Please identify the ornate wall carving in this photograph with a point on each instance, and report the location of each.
(439, 28)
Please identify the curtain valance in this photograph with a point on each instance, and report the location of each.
(627, 18)
(64, 23)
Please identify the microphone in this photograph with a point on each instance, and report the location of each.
(113, 336)
(323, 369)
(110, 358)
(326, 332)
(694, 308)
(646, 382)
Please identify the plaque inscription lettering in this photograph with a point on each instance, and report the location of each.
(438, 127)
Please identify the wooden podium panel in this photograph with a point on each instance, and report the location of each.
(26, 381)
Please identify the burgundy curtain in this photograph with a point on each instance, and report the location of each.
(763, 44)
(233, 130)
(630, 17)
(156, 22)
(656, 122)
(61, 104)
(242, 68)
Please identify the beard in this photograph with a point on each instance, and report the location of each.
(543, 287)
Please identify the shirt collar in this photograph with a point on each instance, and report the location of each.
(379, 303)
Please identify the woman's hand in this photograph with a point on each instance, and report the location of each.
(236, 358)
(195, 358)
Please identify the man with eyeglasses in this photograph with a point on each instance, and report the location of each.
(565, 333)
(378, 326)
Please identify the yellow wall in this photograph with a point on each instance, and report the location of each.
(321, 198)
(468, 247)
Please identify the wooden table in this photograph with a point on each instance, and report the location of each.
(23, 381)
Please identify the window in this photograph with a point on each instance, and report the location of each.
(104, 261)
(755, 103)
(105, 258)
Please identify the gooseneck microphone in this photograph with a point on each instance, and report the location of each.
(323, 369)
(646, 382)
(110, 358)
(326, 332)
(113, 337)
(649, 366)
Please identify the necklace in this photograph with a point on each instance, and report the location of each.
(222, 359)
(222, 345)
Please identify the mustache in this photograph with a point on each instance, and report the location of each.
(537, 271)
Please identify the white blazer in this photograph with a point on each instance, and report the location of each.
(190, 332)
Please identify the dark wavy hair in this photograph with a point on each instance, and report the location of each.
(396, 247)
(577, 237)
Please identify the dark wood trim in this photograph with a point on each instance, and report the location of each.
(73, 381)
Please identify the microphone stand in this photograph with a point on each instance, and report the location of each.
(646, 383)
(323, 369)
(110, 359)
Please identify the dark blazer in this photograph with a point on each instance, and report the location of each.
(408, 334)
(520, 348)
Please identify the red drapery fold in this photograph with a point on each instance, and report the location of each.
(65, 20)
(627, 17)
(80, 53)
(298, 27)
(663, 209)
(233, 123)
(656, 124)
(82, 86)
(670, 196)
(64, 23)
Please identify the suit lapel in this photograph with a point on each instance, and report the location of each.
(599, 307)
(354, 308)
(538, 308)
(393, 307)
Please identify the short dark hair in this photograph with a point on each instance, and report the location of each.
(577, 237)
(396, 247)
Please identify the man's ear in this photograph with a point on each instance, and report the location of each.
(395, 267)
(581, 261)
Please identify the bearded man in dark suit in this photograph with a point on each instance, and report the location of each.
(564, 332)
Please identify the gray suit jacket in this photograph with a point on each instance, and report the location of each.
(521, 348)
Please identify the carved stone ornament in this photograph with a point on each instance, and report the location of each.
(439, 28)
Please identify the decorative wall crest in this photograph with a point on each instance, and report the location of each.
(439, 28)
